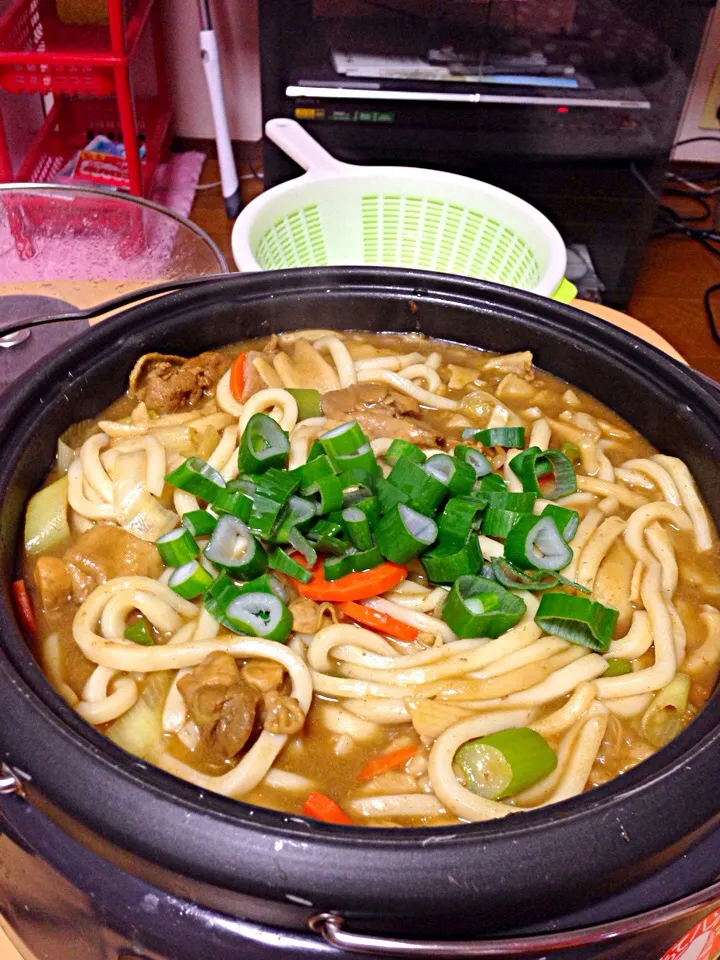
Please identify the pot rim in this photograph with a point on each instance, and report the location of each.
(609, 804)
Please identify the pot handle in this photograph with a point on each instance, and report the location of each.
(330, 927)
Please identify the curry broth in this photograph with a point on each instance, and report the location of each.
(333, 761)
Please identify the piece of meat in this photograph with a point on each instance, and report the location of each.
(221, 704)
(53, 581)
(306, 615)
(520, 363)
(168, 383)
(282, 714)
(305, 369)
(105, 552)
(263, 675)
(381, 412)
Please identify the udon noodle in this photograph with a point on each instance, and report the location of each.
(379, 706)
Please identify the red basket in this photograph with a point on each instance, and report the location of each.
(40, 54)
(73, 122)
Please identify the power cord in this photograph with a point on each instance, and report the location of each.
(701, 187)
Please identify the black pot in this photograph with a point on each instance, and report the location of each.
(260, 865)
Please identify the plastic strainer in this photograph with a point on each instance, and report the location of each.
(341, 213)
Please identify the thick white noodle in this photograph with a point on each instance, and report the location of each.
(429, 377)
(708, 653)
(379, 711)
(606, 471)
(226, 449)
(422, 621)
(155, 459)
(514, 484)
(636, 641)
(661, 546)
(634, 478)
(491, 548)
(604, 489)
(300, 438)
(79, 502)
(225, 400)
(540, 434)
(341, 358)
(396, 362)
(657, 475)
(582, 757)
(112, 706)
(588, 525)
(93, 471)
(397, 806)
(279, 404)
(562, 681)
(626, 707)
(690, 498)
(452, 794)
(421, 602)
(596, 549)
(407, 386)
(338, 720)
(575, 707)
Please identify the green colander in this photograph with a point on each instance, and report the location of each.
(341, 213)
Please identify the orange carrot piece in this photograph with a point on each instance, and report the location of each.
(23, 606)
(386, 762)
(354, 586)
(380, 622)
(323, 808)
(237, 376)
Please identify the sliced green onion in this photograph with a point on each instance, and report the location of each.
(302, 545)
(279, 560)
(308, 402)
(478, 461)
(663, 719)
(309, 473)
(545, 472)
(458, 518)
(199, 523)
(403, 448)
(297, 512)
(221, 592)
(232, 547)
(234, 502)
(570, 450)
(276, 484)
(471, 611)
(361, 459)
(567, 521)
(499, 523)
(266, 583)
(366, 559)
(358, 528)
(535, 543)
(343, 440)
(190, 580)
(457, 475)
(140, 633)
(514, 579)
(273, 490)
(388, 495)
(490, 483)
(506, 762)
(403, 533)
(259, 615)
(424, 491)
(517, 502)
(355, 493)
(446, 562)
(316, 450)
(264, 444)
(177, 547)
(617, 667)
(577, 619)
(357, 477)
(198, 477)
(330, 491)
(336, 567)
(329, 537)
(573, 586)
(371, 508)
(497, 436)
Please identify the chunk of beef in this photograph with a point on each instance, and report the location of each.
(222, 705)
(282, 714)
(263, 675)
(105, 552)
(168, 383)
(53, 581)
(381, 412)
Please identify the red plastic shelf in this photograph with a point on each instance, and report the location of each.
(72, 122)
(40, 54)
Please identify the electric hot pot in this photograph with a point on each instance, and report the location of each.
(104, 856)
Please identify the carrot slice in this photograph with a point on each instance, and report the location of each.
(23, 606)
(355, 586)
(388, 761)
(323, 808)
(381, 622)
(237, 376)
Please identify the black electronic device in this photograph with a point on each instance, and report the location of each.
(554, 100)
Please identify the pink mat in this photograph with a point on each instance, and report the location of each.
(109, 242)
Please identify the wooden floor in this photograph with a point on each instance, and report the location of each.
(668, 294)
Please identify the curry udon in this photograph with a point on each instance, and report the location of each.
(373, 579)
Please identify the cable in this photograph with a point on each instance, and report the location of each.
(672, 222)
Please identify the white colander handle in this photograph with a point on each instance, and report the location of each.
(302, 148)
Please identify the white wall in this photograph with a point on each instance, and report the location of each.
(235, 24)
